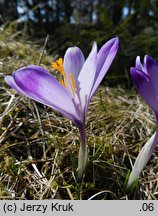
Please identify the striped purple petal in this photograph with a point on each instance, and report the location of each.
(146, 87)
(87, 76)
(38, 84)
(105, 58)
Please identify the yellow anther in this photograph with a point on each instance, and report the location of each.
(54, 65)
(60, 61)
(58, 65)
(72, 82)
(67, 83)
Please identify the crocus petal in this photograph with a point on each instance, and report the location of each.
(152, 68)
(143, 158)
(38, 84)
(87, 76)
(10, 81)
(104, 59)
(73, 61)
(138, 64)
(146, 87)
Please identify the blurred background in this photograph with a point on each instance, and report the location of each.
(81, 22)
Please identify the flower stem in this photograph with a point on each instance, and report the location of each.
(82, 157)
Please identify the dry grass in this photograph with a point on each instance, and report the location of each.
(39, 147)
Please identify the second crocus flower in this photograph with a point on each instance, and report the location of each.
(145, 79)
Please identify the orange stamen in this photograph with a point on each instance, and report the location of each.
(60, 61)
(58, 65)
(54, 65)
(73, 82)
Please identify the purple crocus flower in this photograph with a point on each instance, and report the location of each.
(145, 79)
(70, 96)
